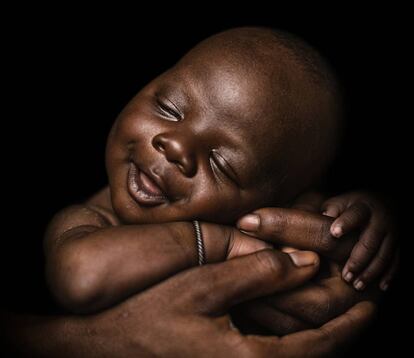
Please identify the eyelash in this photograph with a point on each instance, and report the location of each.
(220, 168)
(214, 168)
(167, 111)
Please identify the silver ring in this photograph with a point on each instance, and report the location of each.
(200, 243)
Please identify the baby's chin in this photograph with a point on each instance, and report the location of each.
(130, 213)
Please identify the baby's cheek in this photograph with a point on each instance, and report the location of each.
(246, 245)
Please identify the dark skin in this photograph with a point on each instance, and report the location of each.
(186, 135)
(327, 295)
(193, 319)
(196, 313)
(195, 131)
(206, 130)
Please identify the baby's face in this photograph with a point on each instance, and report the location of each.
(199, 142)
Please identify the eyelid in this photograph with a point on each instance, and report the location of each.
(226, 166)
(169, 107)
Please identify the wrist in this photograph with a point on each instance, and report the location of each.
(216, 241)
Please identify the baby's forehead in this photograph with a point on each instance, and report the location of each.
(229, 90)
(242, 103)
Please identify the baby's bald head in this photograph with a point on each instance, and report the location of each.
(289, 93)
(248, 118)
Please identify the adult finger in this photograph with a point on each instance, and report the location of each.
(329, 339)
(214, 288)
(315, 304)
(296, 228)
(333, 336)
(273, 320)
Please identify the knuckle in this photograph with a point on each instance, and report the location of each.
(276, 224)
(354, 264)
(359, 209)
(321, 309)
(206, 295)
(270, 264)
(382, 259)
(323, 240)
(326, 337)
(368, 245)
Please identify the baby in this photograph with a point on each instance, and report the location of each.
(249, 118)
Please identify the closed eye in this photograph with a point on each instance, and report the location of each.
(219, 162)
(168, 110)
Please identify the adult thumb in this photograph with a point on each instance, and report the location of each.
(223, 285)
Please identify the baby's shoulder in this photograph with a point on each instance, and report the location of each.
(96, 212)
(102, 205)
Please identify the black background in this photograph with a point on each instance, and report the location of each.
(68, 78)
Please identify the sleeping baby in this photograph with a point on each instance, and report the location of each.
(249, 118)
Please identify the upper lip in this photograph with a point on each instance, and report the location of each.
(155, 178)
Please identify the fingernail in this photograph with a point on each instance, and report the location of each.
(325, 213)
(384, 286)
(303, 258)
(348, 276)
(337, 231)
(288, 250)
(359, 285)
(249, 222)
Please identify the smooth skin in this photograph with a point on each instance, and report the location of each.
(201, 139)
(362, 225)
(216, 129)
(376, 253)
(319, 300)
(208, 133)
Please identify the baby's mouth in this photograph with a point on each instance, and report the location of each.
(143, 189)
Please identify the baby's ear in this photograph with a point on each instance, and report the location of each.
(242, 244)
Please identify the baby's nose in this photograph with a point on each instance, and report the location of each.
(178, 150)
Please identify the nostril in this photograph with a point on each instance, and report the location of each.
(159, 147)
(180, 166)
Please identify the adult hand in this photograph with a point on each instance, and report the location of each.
(317, 302)
(186, 315)
(297, 228)
(309, 306)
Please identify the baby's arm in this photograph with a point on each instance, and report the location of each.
(375, 253)
(93, 262)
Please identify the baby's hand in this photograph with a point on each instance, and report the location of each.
(375, 253)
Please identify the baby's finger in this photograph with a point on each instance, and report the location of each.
(364, 250)
(333, 207)
(389, 275)
(352, 218)
(378, 264)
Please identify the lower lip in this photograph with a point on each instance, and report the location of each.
(138, 191)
